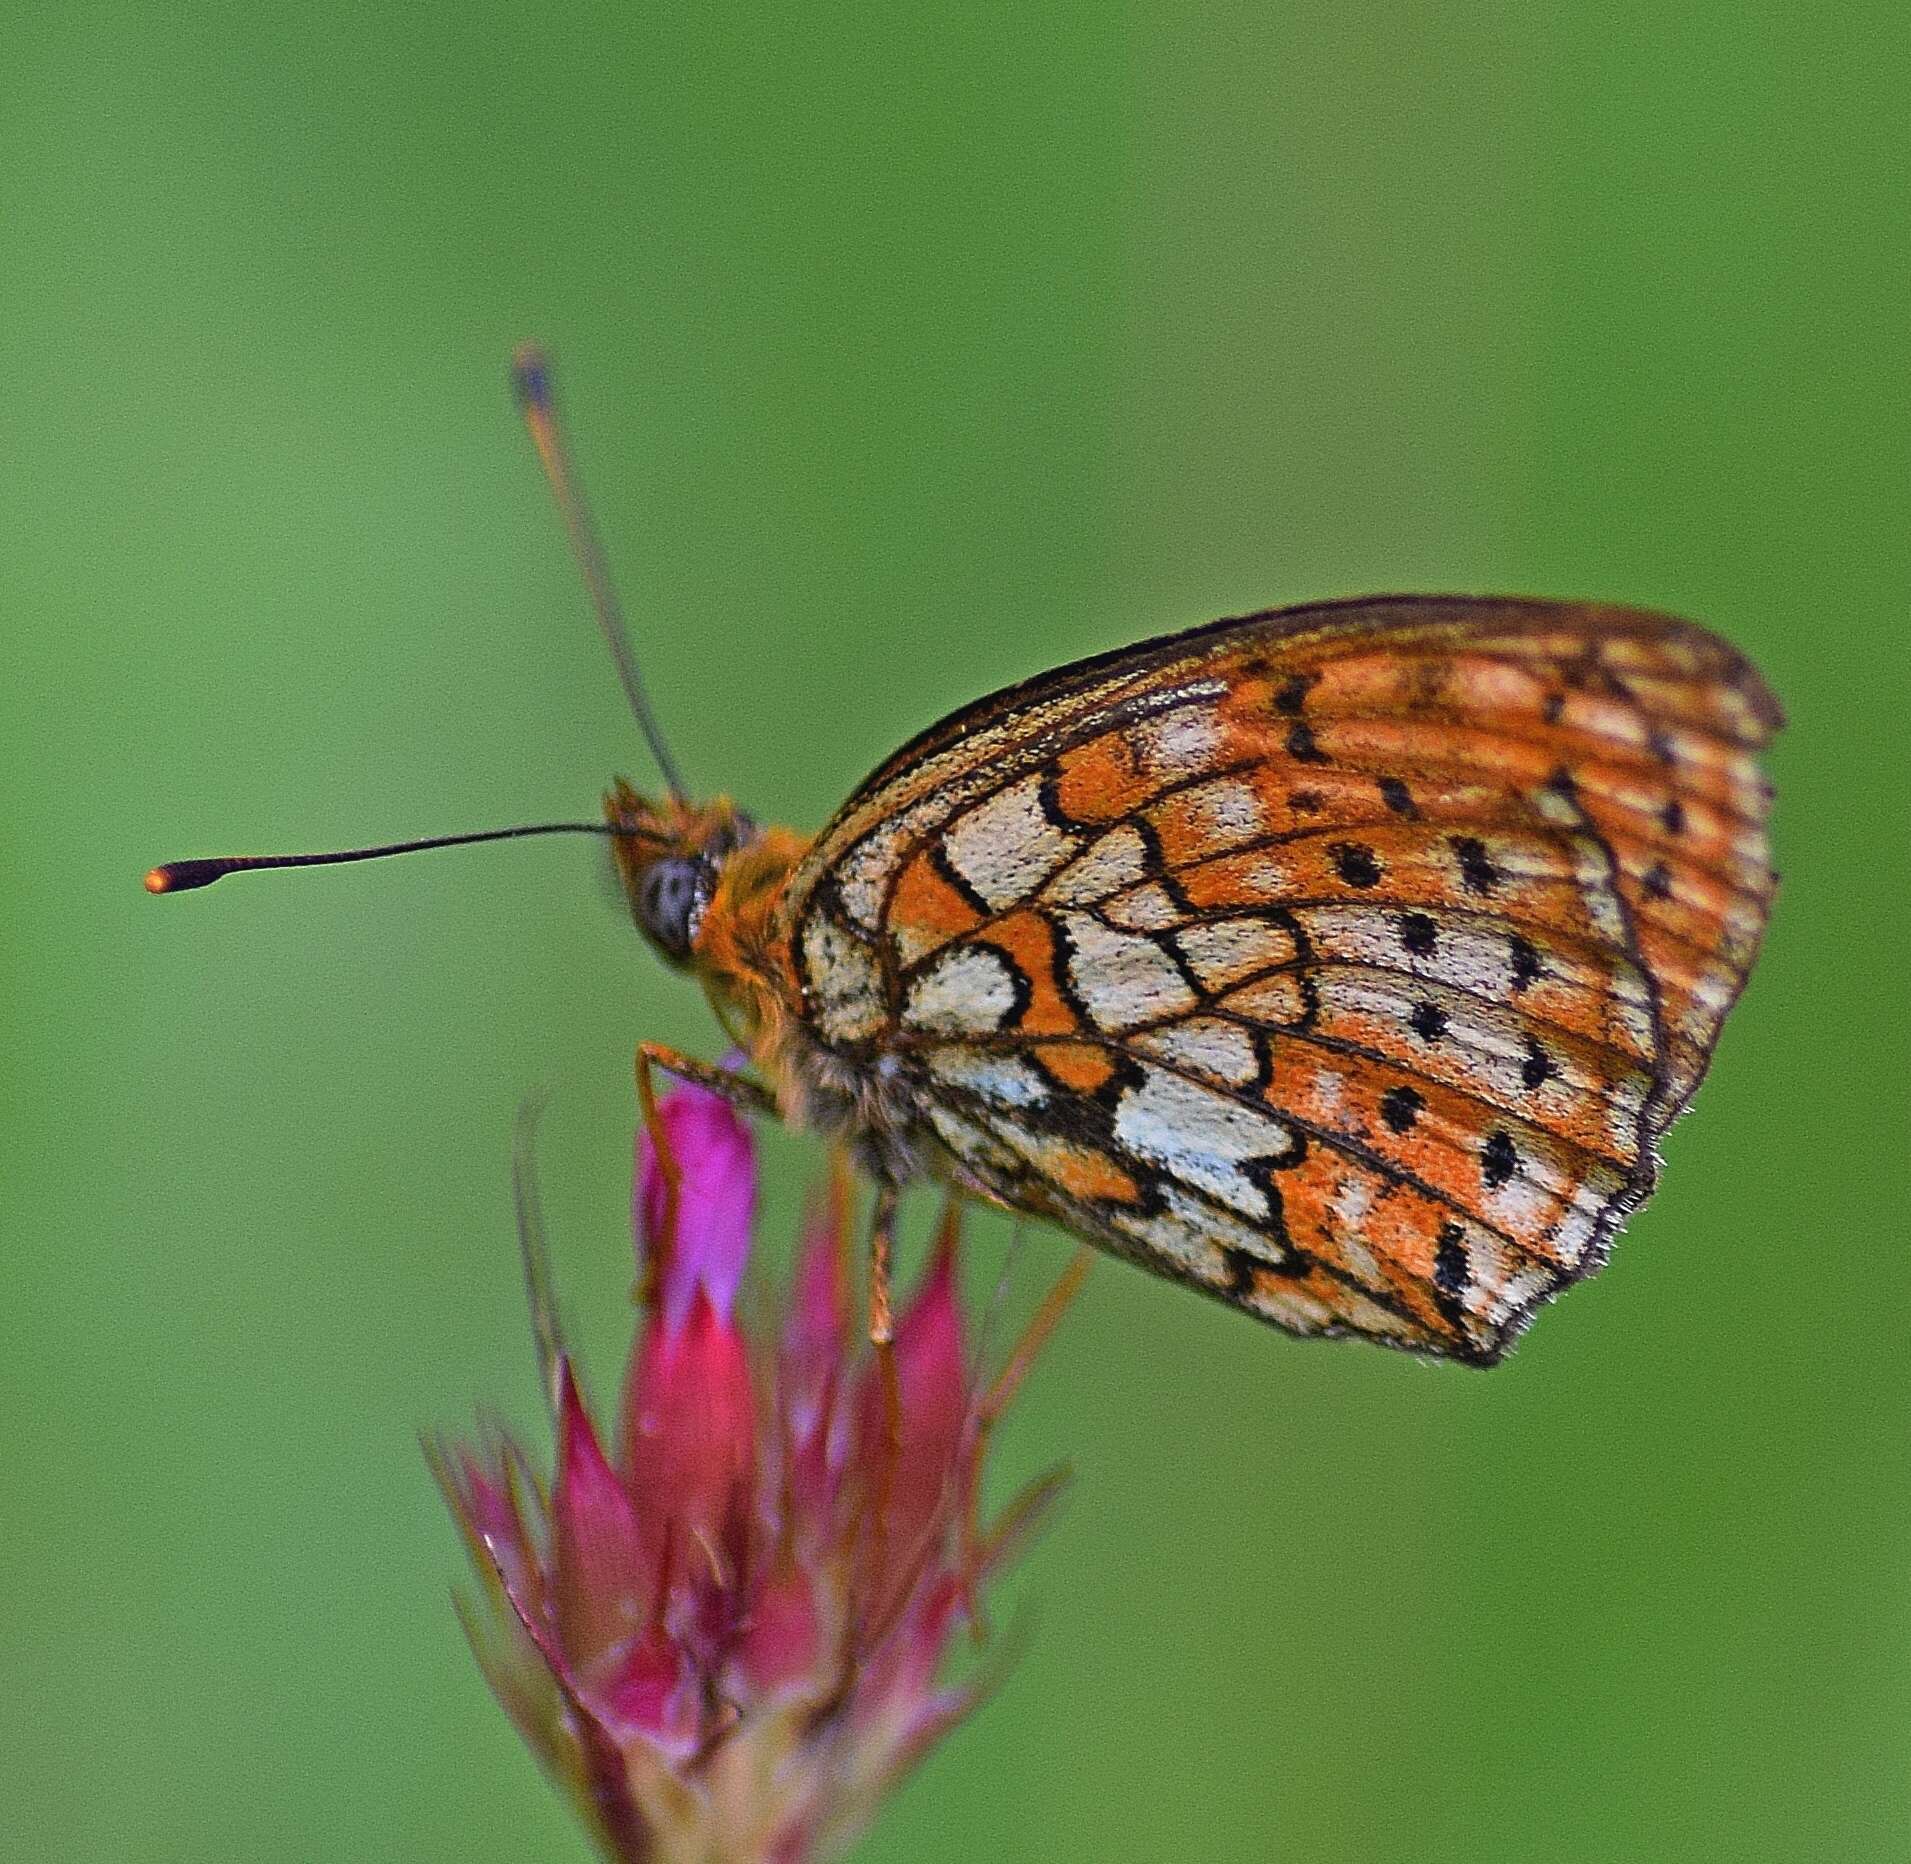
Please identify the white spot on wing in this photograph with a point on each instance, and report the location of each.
(863, 871)
(1557, 808)
(1594, 879)
(842, 979)
(1110, 862)
(1191, 1234)
(1522, 1207)
(1006, 847)
(1200, 1137)
(967, 990)
(1352, 1201)
(1224, 951)
(1572, 1228)
(966, 1140)
(1295, 1309)
(1187, 1247)
(1177, 743)
(1204, 1045)
(1007, 1080)
(1121, 978)
(1146, 908)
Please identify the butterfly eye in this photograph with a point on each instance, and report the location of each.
(667, 902)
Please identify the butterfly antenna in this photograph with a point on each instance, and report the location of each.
(531, 381)
(184, 876)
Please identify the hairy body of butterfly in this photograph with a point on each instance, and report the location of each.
(1345, 962)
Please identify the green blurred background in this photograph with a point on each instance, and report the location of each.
(910, 350)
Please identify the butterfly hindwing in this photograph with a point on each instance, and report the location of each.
(1343, 961)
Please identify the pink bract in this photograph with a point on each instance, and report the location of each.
(724, 1634)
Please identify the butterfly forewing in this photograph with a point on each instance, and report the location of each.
(1343, 961)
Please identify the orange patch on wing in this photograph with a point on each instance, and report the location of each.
(1255, 879)
(1085, 1173)
(1101, 782)
(1206, 818)
(1029, 941)
(1083, 1066)
(926, 905)
(1391, 1249)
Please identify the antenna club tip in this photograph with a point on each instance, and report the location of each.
(184, 876)
(531, 378)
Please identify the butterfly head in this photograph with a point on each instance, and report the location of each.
(670, 856)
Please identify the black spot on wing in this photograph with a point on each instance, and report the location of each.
(1524, 956)
(1398, 797)
(1355, 864)
(1418, 933)
(1400, 1107)
(1451, 1273)
(1301, 746)
(1498, 1159)
(1293, 694)
(1538, 1067)
(1477, 872)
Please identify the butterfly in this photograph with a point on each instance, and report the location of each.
(1344, 962)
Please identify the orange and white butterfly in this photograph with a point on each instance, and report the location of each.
(1345, 962)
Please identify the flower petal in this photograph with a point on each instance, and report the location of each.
(811, 1362)
(652, 1693)
(782, 1640)
(690, 1429)
(816, 1329)
(603, 1580)
(727, 1641)
(709, 1242)
(485, 1505)
(910, 1460)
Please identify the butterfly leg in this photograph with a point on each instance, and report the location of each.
(882, 1241)
(745, 1095)
(882, 1332)
(739, 1090)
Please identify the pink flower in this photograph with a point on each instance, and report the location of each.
(725, 1635)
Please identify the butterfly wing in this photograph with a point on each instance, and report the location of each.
(1344, 961)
